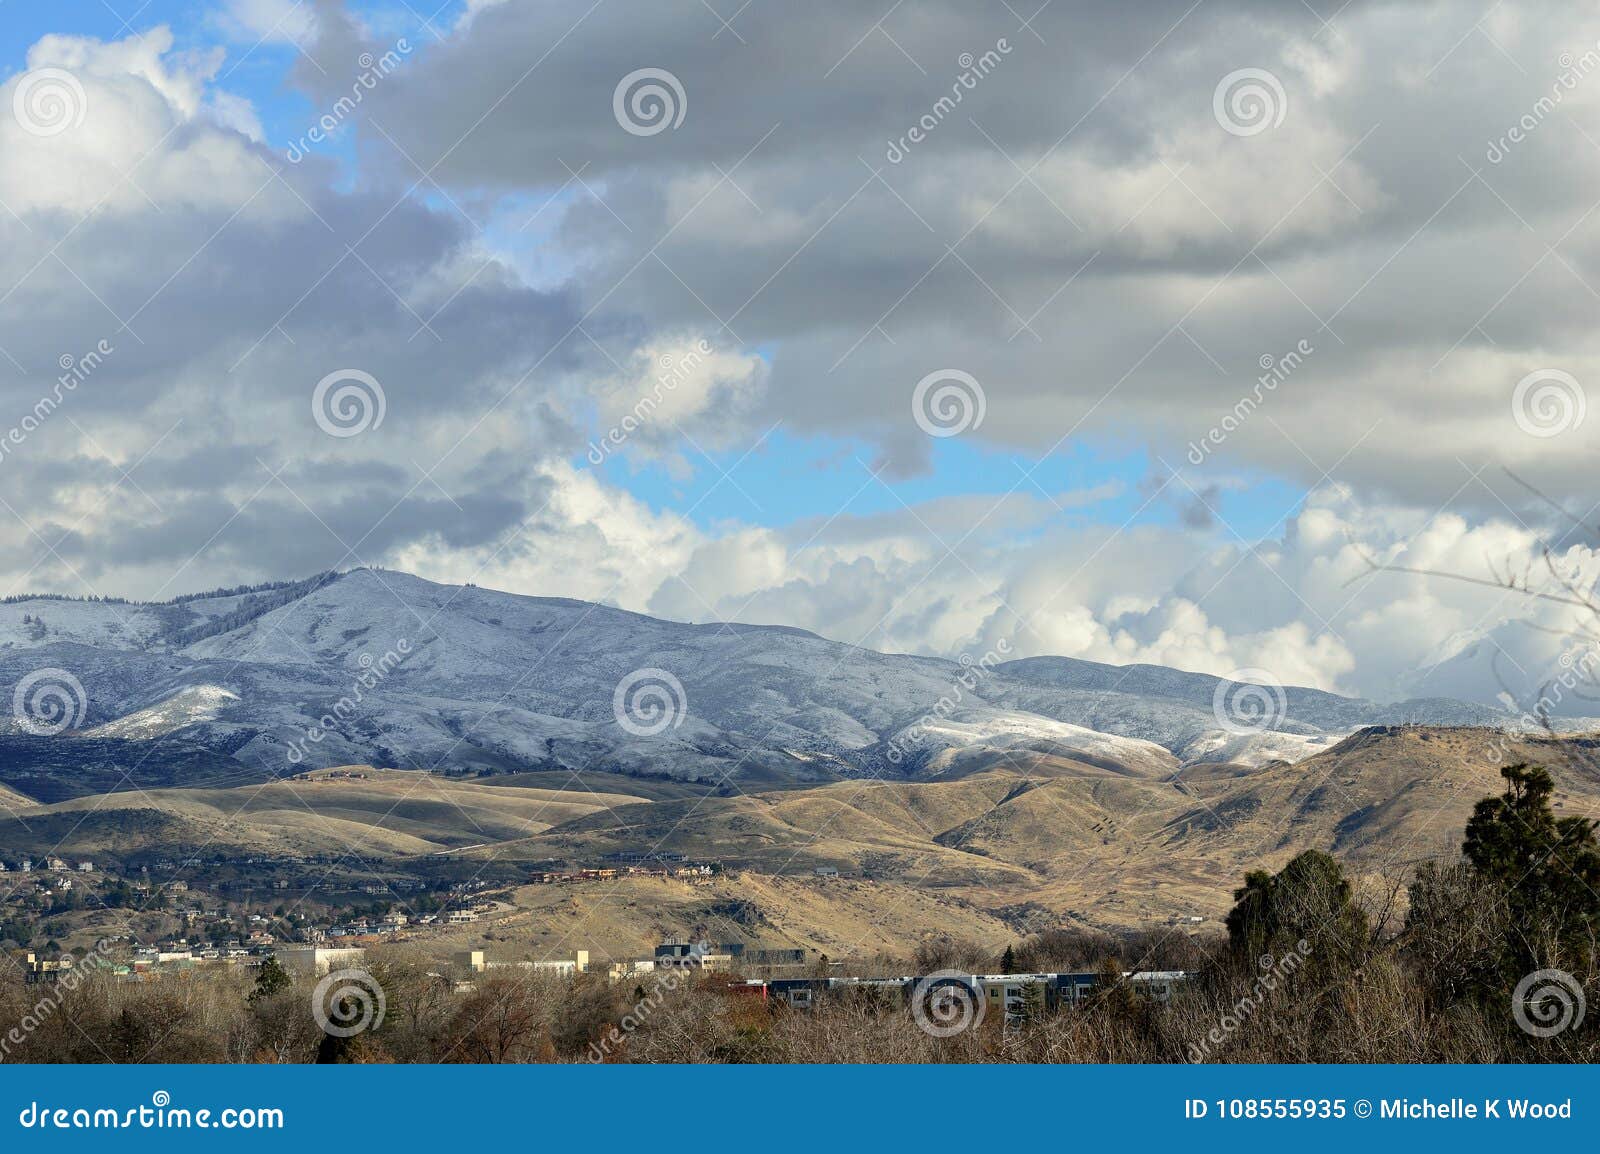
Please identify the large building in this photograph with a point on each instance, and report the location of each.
(693, 956)
(474, 961)
(317, 961)
(1015, 996)
(579, 964)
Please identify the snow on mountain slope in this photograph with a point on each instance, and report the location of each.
(38, 622)
(1255, 749)
(382, 667)
(1307, 710)
(185, 708)
(923, 743)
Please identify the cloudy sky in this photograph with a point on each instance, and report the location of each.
(1133, 333)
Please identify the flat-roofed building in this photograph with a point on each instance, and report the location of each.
(317, 961)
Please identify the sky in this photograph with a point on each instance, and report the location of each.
(1230, 336)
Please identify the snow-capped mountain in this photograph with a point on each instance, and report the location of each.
(380, 667)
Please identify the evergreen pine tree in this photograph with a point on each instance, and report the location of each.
(270, 979)
(1548, 868)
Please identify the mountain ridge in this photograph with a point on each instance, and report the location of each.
(382, 667)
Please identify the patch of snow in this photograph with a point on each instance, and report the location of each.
(188, 707)
(1255, 749)
(984, 729)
